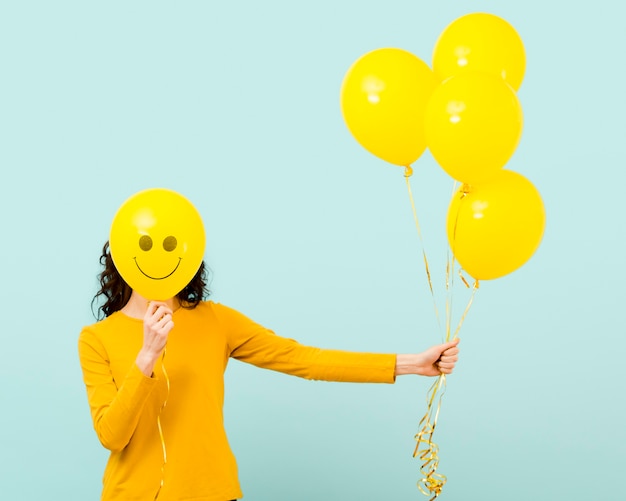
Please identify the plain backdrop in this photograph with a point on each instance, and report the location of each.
(236, 105)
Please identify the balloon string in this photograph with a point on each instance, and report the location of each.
(432, 482)
(475, 288)
(450, 274)
(465, 189)
(167, 382)
(428, 451)
(449, 277)
(408, 172)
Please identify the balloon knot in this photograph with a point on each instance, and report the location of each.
(408, 171)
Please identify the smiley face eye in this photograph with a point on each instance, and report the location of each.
(145, 243)
(169, 244)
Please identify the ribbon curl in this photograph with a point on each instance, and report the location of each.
(167, 383)
(431, 483)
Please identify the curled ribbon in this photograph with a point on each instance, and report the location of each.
(431, 483)
(167, 382)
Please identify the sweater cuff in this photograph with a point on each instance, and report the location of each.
(137, 383)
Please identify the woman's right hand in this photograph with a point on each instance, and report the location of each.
(157, 324)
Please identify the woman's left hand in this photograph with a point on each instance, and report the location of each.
(437, 360)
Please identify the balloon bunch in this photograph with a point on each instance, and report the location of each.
(465, 110)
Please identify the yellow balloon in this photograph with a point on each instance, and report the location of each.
(157, 242)
(383, 100)
(493, 229)
(480, 42)
(473, 124)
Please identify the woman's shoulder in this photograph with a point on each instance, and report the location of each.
(222, 313)
(108, 325)
(214, 306)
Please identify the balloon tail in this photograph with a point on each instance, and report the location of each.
(167, 382)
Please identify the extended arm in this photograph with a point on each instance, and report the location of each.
(254, 344)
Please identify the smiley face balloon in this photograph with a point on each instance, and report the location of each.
(157, 242)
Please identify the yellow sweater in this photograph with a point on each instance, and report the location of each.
(125, 404)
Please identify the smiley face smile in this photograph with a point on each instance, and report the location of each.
(158, 278)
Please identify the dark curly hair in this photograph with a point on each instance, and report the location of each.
(117, 292)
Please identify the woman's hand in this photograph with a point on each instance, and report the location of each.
(157, 324)
(438, 359)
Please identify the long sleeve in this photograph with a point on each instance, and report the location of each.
(252, 343)
(114, 411)
(127, 406)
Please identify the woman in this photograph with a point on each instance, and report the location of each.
(160, 412)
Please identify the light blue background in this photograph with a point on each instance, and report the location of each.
(236, 105)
